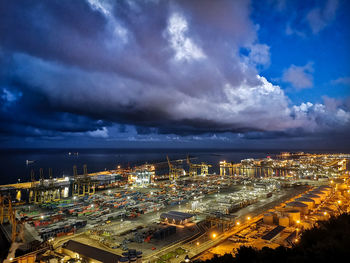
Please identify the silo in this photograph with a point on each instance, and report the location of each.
(268, 219)
(284, 221)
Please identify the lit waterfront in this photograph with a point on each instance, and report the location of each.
(125, 210)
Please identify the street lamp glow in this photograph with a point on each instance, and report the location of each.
(238, 223)
(339, 202)
(197, 243)
(248, 217)
(214, 235)
(298, 221)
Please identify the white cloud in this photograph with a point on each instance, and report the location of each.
(259, 54)
(318, 18)
(292, 31)
(320, 117)
(100, 133)
(300, 77)
(184, 47)
(341, 81)
(119, 34)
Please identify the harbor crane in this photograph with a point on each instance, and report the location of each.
(174, 172)
(193, 168)
(43, 192)
(83, 185)
(205, 168)
(7, 211)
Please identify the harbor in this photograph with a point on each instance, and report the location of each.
(137, 209)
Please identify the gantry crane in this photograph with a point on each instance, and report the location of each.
(44, 193)
(83, 185)
(174, 172)
(16, 225)
(205, 168)
(193, 168)
(232, 168)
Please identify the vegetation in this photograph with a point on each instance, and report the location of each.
(180, 251)
(166, 257)
(328, 241)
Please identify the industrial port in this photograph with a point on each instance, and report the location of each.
(173, 211)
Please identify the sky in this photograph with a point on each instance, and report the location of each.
(175, 74)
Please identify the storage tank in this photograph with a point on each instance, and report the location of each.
(268, 219)
(123, 260)
(325, 188)
(139, 256)
(293, 215)
(320, 193)
(301, 207)
(309, 202)
(283, 221)
(133, 259)
(316, 198)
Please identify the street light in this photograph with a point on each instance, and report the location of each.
(238, 223)
(214, 235)
(248, 218)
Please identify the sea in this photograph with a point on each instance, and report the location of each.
(14, 167)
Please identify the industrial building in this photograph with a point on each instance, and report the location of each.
(142, 175)
(90, 254)
(176, 217)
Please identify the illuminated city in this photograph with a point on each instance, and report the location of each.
(193, 212)
(174, 131)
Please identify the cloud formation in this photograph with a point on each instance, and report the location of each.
(87, 67)
(319, 17)
(300, 77)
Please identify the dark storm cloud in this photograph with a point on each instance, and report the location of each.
(29, 113)
(163, 66)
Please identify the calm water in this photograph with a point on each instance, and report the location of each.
(13, 162)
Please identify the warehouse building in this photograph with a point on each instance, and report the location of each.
(176, 217)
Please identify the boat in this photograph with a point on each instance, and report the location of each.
(29, 161)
